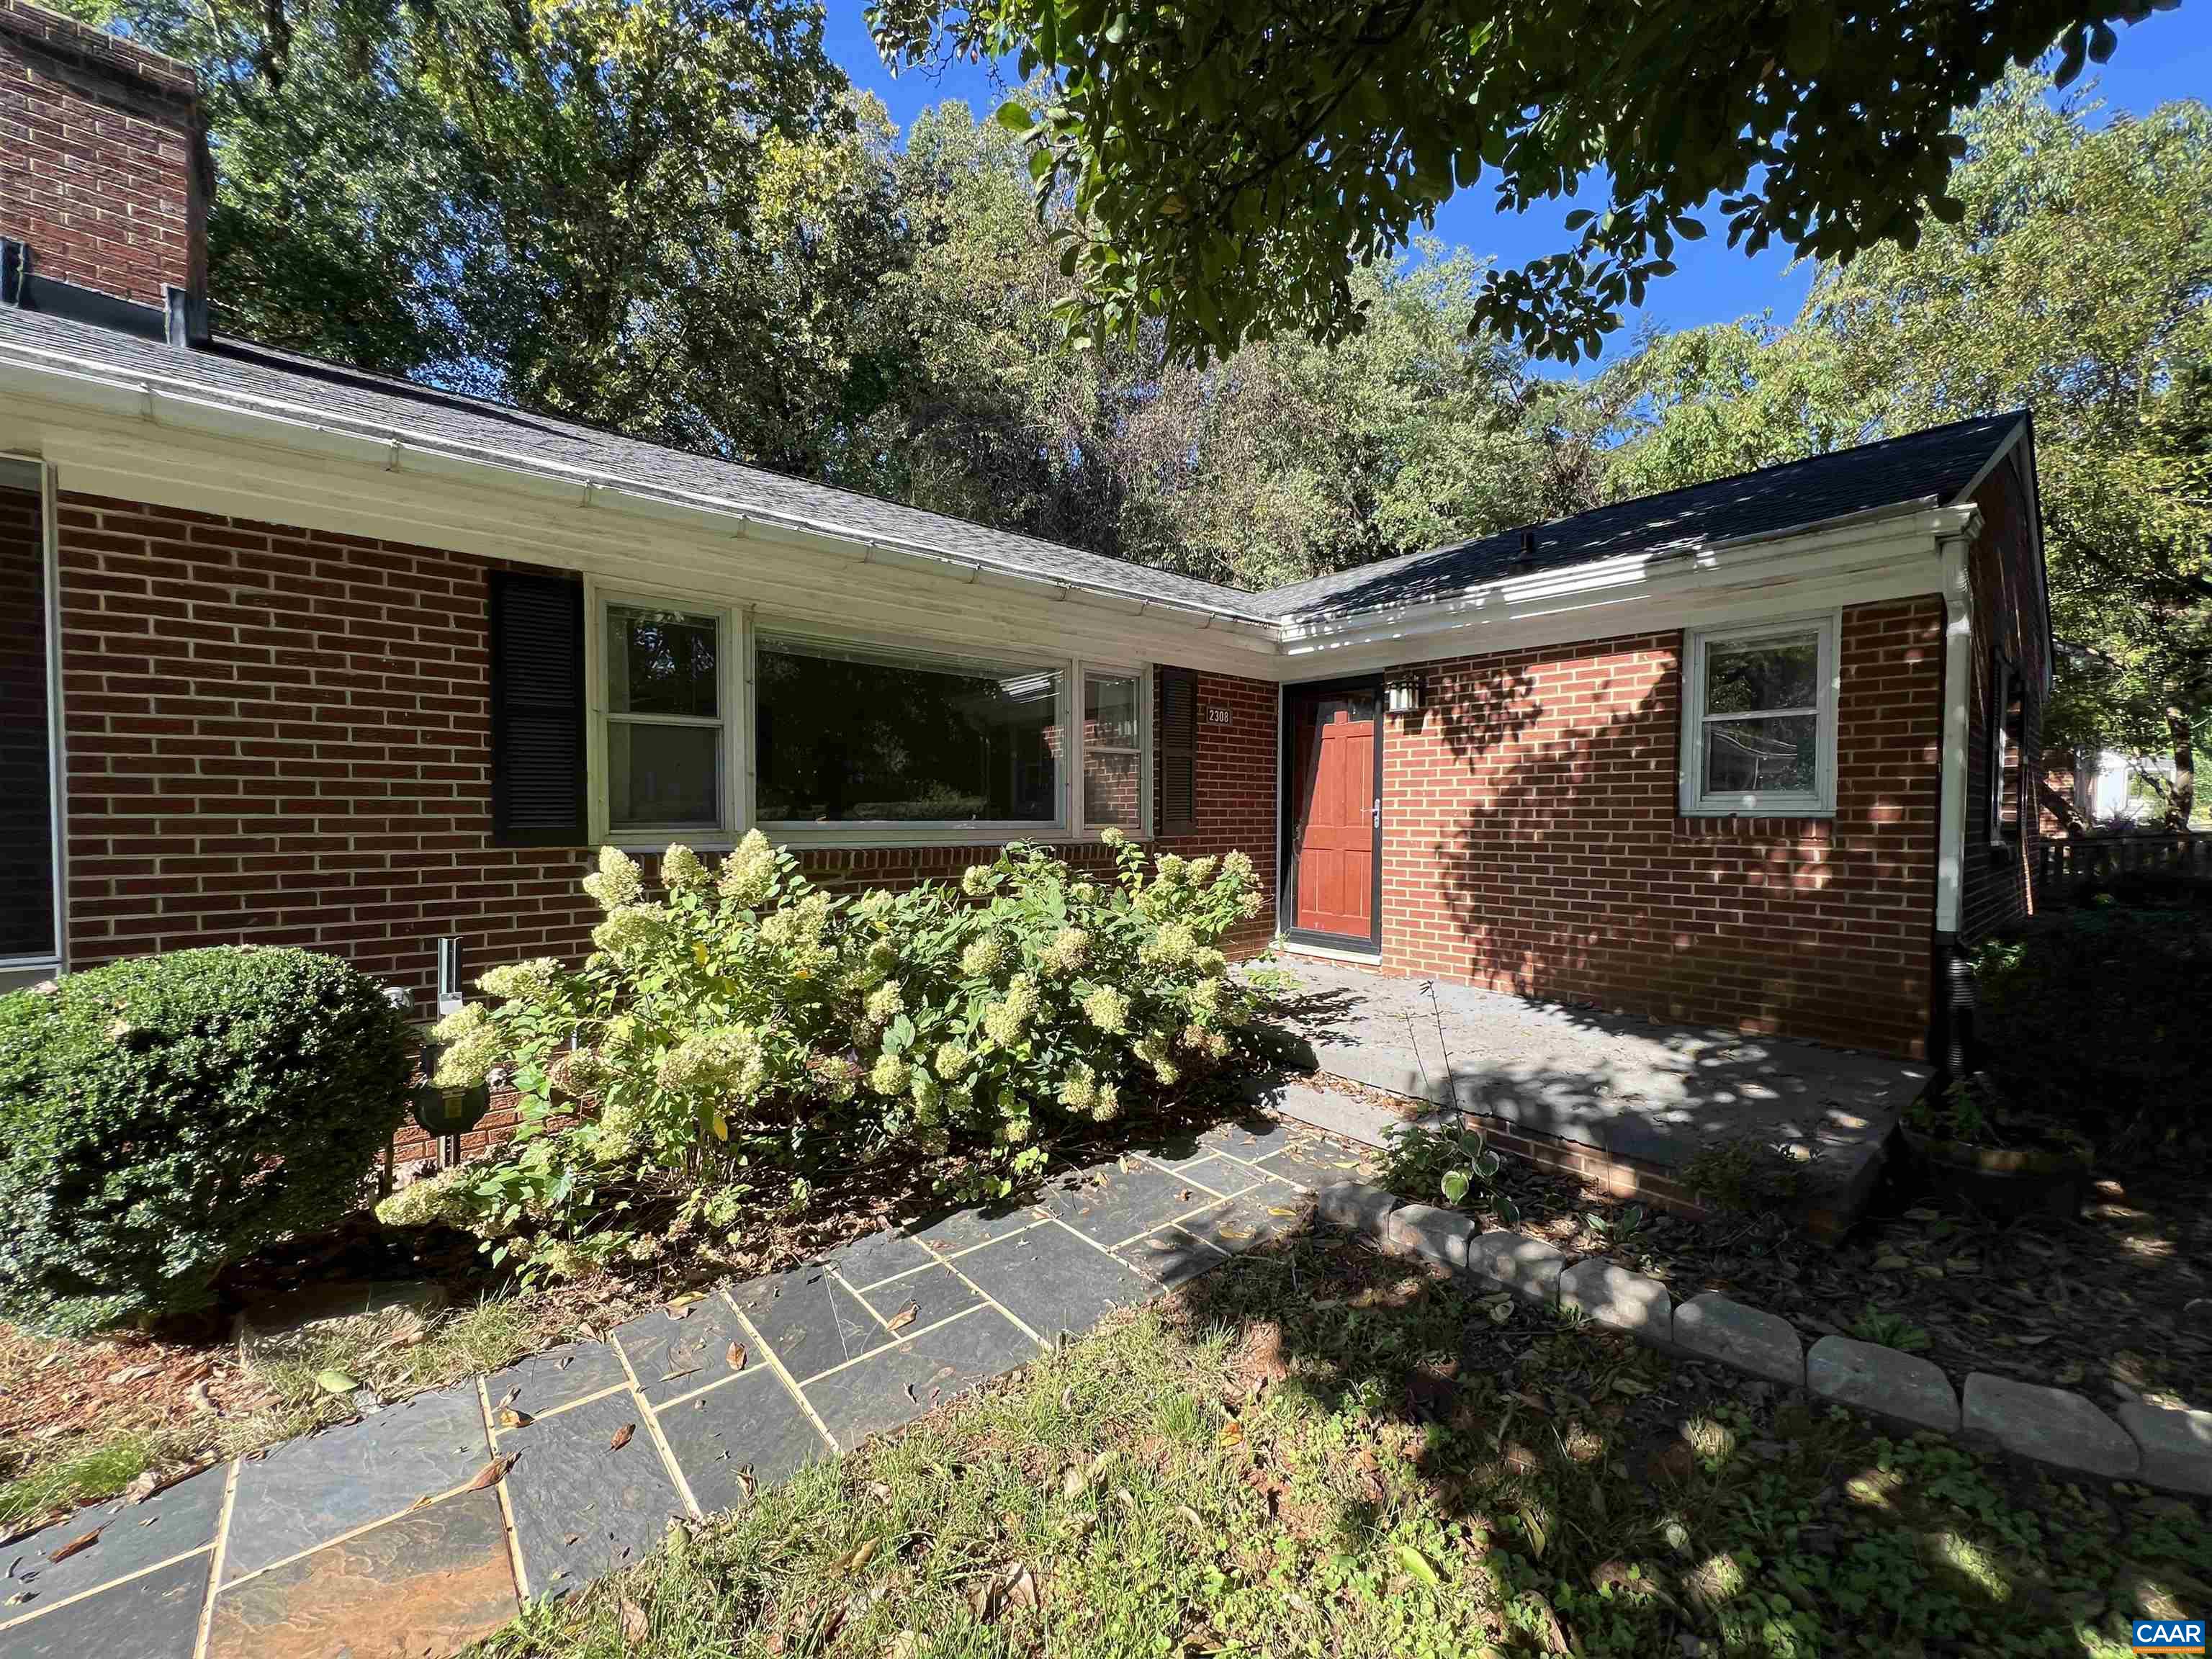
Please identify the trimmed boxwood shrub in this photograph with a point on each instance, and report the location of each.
(2101, 1018)
(163, 1117)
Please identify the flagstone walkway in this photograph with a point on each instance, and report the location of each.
(384, 1537)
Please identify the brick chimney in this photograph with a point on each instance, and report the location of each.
(104, 170)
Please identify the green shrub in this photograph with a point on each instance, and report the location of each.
(748, 1020)
(2097, 1018)
(163, 1117)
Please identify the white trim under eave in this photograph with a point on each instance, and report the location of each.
(1866, 560)
(1958, 718)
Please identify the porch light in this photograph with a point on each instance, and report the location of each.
(1402, 697)
(444, 1113)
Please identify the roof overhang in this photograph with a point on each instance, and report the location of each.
(1891, 552)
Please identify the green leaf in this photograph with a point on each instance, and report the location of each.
(1416, 1566)
(1014, 116)
(1456, 1184)
(335, 1381)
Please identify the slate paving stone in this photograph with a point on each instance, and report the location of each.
(305, 1493)
(1250, 1138)
(1317, 1163)
(429, 1582)
(747, 1424)
(1109, 1203)
(672, 1356)
(937, 1292)
(1173, 1147)
(1053, 1281)
(809, 1319)
(155, 1616)
(1171, 1255)
(132, 1537)
(1250, 1221)
(559, 1377)
(583, 1508)
(1219, 1175)
(963, 1229)
(882, 1254)
(887, 1389)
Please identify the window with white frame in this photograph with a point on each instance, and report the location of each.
(1759, 719)
(666, 717)
(848, 732)
(2005, 724)
(1113, 750)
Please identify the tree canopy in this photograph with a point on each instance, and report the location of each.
(1234, 165)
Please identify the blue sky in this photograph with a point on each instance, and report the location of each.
(2167, 57)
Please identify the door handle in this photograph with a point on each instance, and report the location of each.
(1375, 815)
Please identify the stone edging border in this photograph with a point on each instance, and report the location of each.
(2155, 1445)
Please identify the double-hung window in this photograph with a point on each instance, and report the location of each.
(666, 717)
(1759, 719)
(1113, 750)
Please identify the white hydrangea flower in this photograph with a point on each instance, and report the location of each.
(1199, 871)
(1236, 867)
(1171, 944)
(886, 1003)
(534, 978)
(1106, 1009)
(1069, 950)
(889, 1075)
(749, 873)
(875, 906)
(1112, 837)
(1108, 1105)
(617, 881)
(1167, 870)
(952, 1060)
(470, 1046)
(976, 880)
(629, 929)
(1205, 997)
(983, 957)
(1078, 1090)
(680, 869)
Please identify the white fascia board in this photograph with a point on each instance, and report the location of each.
(302, 429)
(1861, 562)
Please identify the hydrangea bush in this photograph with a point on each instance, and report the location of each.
(745, 1019)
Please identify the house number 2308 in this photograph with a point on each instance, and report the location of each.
(1218, 717)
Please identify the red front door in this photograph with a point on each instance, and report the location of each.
(1337, 816)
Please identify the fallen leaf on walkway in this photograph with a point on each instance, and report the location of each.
(1232, 1433)
(622, 1437)
(636, 1626)
(737, 1356)
(83, 1540)
(494, 1472)
(509, 1418)
(904, 1316)
(147, 1483)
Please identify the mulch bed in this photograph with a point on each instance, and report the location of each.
(2116, 1304)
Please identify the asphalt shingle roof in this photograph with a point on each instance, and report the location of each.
(1936, 464)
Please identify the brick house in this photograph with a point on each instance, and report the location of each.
(299, 655)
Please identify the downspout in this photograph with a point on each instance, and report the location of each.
(1955, 1012)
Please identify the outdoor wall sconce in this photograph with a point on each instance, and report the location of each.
(1402, 697)
(446, 1112)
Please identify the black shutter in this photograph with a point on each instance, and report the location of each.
(1178, 751)
(536, 711)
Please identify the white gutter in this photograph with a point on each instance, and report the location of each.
(1746, 560)
(61, 378)
(1957, 694)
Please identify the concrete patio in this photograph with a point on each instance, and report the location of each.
(1623, 1086)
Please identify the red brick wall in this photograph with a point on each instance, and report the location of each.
(1235, 769)
(282, 736)
(101, 169)
(1532, 842)
(2008, 616)
(27, 879)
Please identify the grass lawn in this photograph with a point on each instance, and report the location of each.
(1319, 1451)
